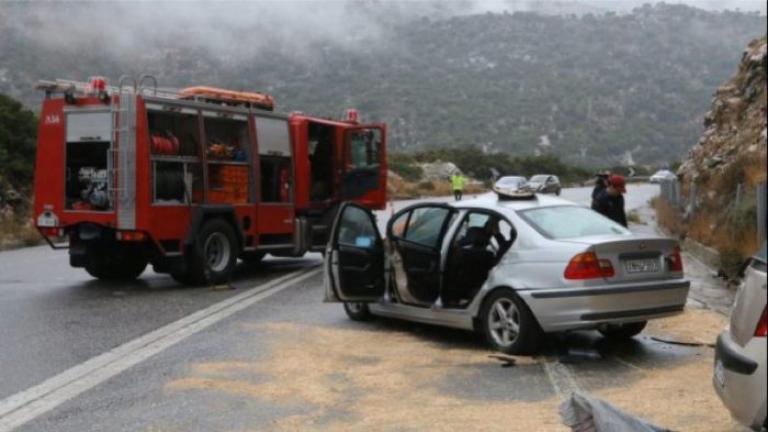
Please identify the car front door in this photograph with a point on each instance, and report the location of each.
(354, 258)
(415, 236)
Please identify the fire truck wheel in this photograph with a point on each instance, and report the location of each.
(252, 258)
(214, 254)
(115, 266)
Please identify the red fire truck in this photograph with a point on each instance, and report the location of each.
(191, 180)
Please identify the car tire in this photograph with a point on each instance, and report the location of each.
(514, 332)
(213, 255)
(357, 311)
(623, 331)
(557, 192)
(118, 265)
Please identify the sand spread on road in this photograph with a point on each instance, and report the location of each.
(362, 379)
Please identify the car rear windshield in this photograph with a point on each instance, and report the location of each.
(566, 222)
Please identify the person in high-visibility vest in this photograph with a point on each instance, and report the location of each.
(457, 183)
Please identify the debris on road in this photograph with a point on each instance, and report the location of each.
(583, 413)
(506, 360)
(683, 343)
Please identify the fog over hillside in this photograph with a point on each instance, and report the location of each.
(587, 79)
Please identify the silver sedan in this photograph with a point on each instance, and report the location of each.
(511, 269)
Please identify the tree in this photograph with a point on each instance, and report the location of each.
(18, 132)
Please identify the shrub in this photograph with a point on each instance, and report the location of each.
(731, 262)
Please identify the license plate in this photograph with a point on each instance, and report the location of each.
(719, 373)
(47, 220)
(642, 265)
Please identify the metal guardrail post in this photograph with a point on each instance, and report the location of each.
(762, 219)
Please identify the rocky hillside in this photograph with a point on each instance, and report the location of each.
(731, 152)
(594, 89)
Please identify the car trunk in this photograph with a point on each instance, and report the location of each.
(635, 259)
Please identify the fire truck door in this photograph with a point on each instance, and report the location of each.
(363, 150)
(276, 213)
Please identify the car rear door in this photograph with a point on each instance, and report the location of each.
(417, 249)
(354, 258)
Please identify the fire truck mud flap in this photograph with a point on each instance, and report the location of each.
(80, 236)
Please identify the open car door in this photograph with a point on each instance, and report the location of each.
(354, 257)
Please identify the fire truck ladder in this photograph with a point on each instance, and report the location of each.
(122, 167)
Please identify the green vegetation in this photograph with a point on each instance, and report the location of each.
(18, 129)
(477, 164)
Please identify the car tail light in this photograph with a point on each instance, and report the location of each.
(131, 235)
(675, 260)
(762, 325)
(587, 266)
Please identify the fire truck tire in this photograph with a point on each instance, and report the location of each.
(116, 267)
(252, 258)
(214, 254)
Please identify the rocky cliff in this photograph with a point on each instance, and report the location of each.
(722, 170)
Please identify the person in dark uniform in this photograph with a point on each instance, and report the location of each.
(601, 182)
(610, 201)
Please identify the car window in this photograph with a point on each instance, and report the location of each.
(356, 228)
(426, 224)
(564, 222)
(479, 220)
(398, 225)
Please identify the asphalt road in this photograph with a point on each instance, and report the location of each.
(285, 360)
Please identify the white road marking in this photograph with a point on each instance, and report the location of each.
(561, 378)
(28, 404)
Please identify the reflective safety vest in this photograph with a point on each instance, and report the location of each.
(457, 181)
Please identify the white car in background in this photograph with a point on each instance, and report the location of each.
(661, 175)
(740, 353)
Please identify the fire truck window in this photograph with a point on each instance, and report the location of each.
(320, 140)
(364, 146)
(272, 136)
(227, 139)
(173, 134)
(87, 148)
(276, 182)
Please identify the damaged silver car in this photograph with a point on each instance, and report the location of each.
(511, 269)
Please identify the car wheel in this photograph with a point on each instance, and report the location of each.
(623, 331)
(508, 324)
(357, 311)
(214, 254)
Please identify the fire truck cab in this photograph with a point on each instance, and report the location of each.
(189, 181)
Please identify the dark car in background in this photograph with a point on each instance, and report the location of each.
(545, 183)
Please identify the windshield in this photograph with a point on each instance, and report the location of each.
(510, 181)
(565, 222)
(538, 179)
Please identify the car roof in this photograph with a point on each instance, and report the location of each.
(491, 201)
